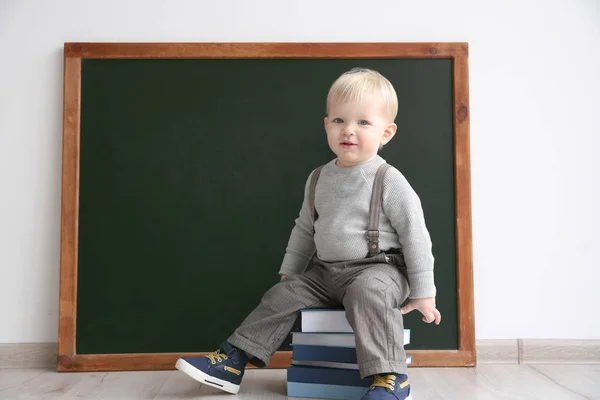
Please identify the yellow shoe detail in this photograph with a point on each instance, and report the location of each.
(216, 356)
(404, 384)
(233, 370)
(384, 381)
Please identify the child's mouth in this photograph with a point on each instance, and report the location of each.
(348, 145)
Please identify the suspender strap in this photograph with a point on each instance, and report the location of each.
(311, 194)
(375, 209)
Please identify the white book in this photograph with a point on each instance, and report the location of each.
(332, 339)
(329, 364)
(325, 320)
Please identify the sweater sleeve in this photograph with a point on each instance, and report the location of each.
(402, 206)
(301, 244)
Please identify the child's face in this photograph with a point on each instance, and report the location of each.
(355, 131)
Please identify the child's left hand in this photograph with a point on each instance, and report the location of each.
(426, 306)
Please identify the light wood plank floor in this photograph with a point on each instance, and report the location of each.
(485, 382)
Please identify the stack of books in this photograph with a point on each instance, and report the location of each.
(324, 363)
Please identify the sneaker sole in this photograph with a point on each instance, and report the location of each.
(206, 379)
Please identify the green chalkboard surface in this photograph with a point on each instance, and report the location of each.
(192, 171)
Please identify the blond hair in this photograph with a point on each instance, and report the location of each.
(353, 85)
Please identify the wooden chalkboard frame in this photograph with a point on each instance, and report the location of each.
(68, 360)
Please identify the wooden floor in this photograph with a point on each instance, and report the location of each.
(497, 382)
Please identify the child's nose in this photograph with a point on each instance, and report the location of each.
(348, 130)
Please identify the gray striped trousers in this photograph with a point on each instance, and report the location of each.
(370, 291)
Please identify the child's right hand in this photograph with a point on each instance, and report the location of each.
(426, 306)
(283, 276)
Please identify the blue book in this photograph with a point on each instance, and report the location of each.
(327, 376)
(331, 364)
(324, 353)
(319, 391)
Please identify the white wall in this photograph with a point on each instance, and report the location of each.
(534, 78)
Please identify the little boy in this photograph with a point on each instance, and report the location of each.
(334, 258)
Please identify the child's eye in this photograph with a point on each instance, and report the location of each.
(363, 122)
(338, 120)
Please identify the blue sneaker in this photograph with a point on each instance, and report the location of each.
(223, 369)
(389, 387)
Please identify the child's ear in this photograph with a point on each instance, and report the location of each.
(325, 122)
(389, 133)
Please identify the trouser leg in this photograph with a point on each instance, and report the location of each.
(371, 301)
(263, 331)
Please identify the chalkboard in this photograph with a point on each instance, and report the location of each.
(184, 169)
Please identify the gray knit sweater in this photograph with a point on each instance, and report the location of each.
(342, 202)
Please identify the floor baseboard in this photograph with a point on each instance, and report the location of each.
(489, 351)
(28, 355)
(557, 351)
(497, 351)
